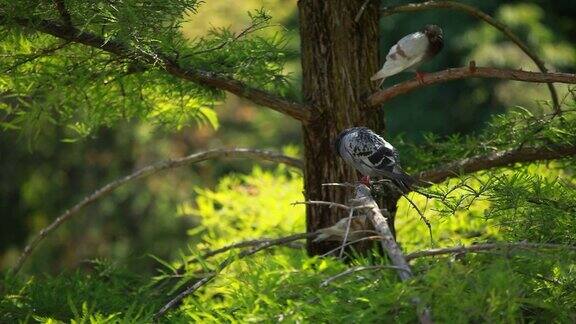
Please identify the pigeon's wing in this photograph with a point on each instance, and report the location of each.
(370, 152)
(408, 52)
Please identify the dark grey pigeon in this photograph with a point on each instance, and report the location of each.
(372, 156)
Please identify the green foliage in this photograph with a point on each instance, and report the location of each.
(50, 81)
(250, 206)
(533, 208)
(104, 294)
(517, 128)
(47, 83)
(285, 284)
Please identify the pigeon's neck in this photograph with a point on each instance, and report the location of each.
(434, 46)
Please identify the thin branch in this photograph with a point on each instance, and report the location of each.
(210, 79)
(147, 171)
(422, 217)
(188, 291)
(39, 54)
(477, 13)
(486, 247)
(240, 245)
(494, 160)
(249, 243)
(358, 269)
(471, 71)
(362, 239)
(350, 214)
(324, 203)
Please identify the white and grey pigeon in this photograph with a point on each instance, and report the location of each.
(411, 51)
(372, 156)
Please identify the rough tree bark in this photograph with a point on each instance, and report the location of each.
(338, 58)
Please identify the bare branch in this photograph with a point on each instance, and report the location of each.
(486, 247)
(422, 217)
(323, 203)
(338, 184)
(477, 13)
(364, 197)
(494, 160)
(350, 214)
(190, 290)
(472, 71)
(253, 27)
(362, 239)
(249, 243)
(358, 269)
(147, 171)
(41, 53)
(210, 79)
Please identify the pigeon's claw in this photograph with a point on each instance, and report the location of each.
(420, 77)
(365, 180)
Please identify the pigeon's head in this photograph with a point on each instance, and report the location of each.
(434, 33)
(338, 140)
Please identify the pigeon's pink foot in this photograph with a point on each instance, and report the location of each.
(365, 180)
(420, 77)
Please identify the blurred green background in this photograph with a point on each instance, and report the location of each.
(156, 216)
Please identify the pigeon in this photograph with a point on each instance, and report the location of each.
(372, 156)
(410, 52)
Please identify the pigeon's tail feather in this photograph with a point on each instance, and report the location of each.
(404, 181)
(380, 75)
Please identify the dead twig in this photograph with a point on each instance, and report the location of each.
(358, 269)
(322, 203)
(330, 204)
(350, 214)
(245, 244)
(389, 244)
(366, 238)
(422, 217)
(190, 290)
(337, 184)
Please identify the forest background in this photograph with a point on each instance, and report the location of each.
(50, 167)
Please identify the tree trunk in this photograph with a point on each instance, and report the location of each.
(338, 58)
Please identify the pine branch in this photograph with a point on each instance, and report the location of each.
(494, 160)
(486, 247)
(477, 13)
(174, 302)
(41, 53)
(471, 71)
(210, 79)
(145, 172)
